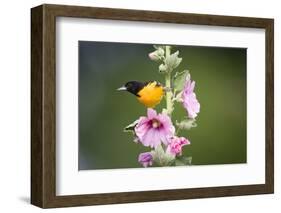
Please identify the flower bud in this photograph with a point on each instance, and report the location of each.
(162, 68)
(145, 159)
(157, 54)
(153, 56)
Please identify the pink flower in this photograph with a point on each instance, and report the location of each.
(190, 101)
(176, 144)
(154, 129)
(145, 159)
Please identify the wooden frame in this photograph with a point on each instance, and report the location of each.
(43, 120)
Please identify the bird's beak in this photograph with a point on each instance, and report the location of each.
(123, 88)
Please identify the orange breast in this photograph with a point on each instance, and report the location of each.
(151, 94)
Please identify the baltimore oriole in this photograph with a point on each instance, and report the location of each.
(149, 93)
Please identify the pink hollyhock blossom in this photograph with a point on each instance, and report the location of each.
(154, 129)
(145, 159)
(190, 101)
(176, 144)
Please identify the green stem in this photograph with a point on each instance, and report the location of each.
(177, 131)
(169, 93)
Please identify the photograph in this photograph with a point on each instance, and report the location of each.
(161, 105)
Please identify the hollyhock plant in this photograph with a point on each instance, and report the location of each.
(154, 129)
(176, 144)
(189, 99)
(145, 159)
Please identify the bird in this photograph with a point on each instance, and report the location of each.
(148, 93)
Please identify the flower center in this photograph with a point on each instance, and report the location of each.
(155, 123)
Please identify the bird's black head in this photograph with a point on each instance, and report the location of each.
(133, 87)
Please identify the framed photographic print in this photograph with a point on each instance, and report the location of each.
(136, 106)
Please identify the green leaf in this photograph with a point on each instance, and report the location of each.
(131, 127)
(158, 46)
(178, 97)
(159, 50)
(183, 161)
(173, 61)
(186, 124)
(179, 80)
(164, 111)
(179, 163)
(161, 158)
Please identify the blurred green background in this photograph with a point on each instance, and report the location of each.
(220, 75)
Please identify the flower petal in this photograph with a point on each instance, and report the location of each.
(151, 113)
(151, 135)
(190, 101)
